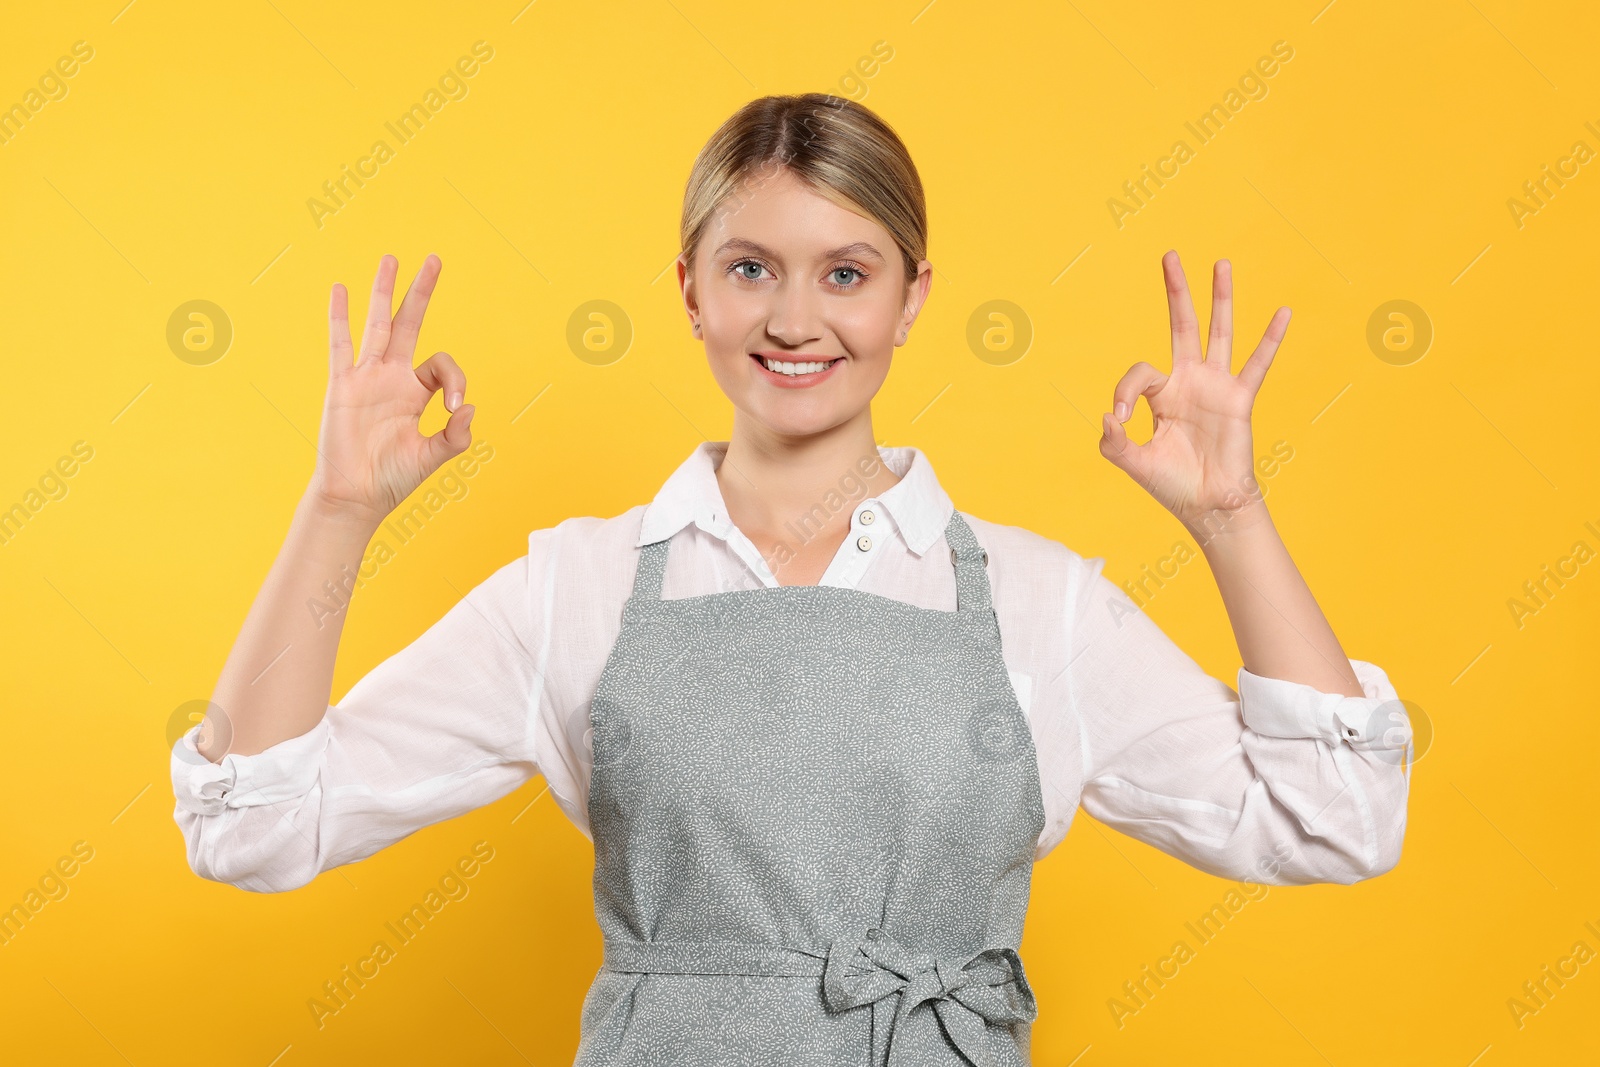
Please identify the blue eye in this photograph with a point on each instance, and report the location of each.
(849, 268)
(859, 275)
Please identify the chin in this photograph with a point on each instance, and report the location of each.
(796, 423)
(797, 419)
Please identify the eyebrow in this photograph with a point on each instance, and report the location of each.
(742, 244)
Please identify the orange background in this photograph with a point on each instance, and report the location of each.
(1425, 487)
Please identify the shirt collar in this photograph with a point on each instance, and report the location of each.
(917, 503)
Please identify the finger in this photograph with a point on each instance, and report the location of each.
(340, 354)
(451, 441)
(1141, 379)
(1123, 453)
(379, 310)
(408, 322)
(1180, 309)
(1255, 368)
(1219, 347)
(439, 371)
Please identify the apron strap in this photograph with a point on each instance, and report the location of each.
(969, 558)
(652, 568)
(959, 996)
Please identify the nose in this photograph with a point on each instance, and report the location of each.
(794, 317)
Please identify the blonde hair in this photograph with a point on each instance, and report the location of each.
(841, 149)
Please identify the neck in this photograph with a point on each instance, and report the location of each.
(798, 493)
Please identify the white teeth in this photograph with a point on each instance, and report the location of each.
(791, 369)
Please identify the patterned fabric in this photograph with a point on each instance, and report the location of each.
(815, 811)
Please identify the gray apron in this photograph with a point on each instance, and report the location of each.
(814, 813)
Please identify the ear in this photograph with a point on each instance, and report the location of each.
(916, 295)
(686, 287)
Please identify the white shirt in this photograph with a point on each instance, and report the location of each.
(1277, 783)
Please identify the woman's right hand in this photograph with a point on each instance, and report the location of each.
(370, 454)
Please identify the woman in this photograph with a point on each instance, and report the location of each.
(834, 720)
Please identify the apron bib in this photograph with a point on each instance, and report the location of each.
(814, 813)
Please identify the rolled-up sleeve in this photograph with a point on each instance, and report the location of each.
(1278, 783)
(434, 731)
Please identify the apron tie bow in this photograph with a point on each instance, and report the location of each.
(870, 968)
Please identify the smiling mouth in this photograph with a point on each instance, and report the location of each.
(795, 368)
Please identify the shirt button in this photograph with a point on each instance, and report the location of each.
(864, 543)
(867, 518)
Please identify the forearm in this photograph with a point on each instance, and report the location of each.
(1280, 630)
(277, 679)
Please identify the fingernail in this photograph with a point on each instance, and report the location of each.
(1105, 424)
(455, 401)
(1121, 410)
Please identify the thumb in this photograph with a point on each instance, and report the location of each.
(1123, 453)
(453, 439)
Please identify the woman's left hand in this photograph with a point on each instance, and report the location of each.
(1199, 462)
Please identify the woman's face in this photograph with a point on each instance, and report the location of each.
(784, 275)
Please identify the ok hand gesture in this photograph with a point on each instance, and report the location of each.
(370, 455)
(1199, 462)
